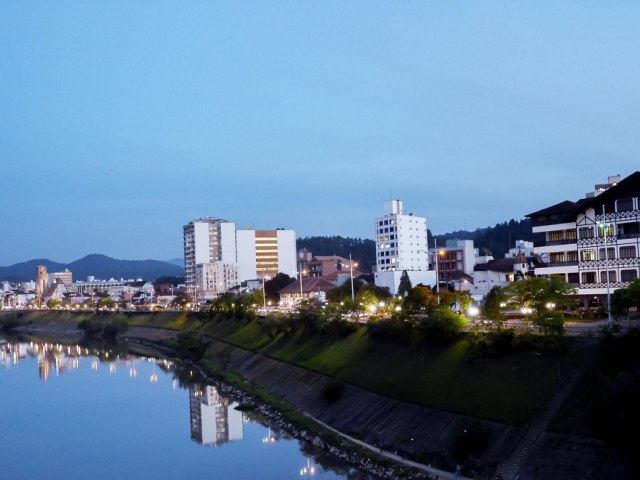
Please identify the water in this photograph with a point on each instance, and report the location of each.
(67, 412)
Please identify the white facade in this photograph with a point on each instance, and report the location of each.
(287, 260)
(265, 253)
(213, 279)
(391, 279)
(246, 254)
(207, 240)
(401, 240)
(217, 246)
(521, 246)
(401, 244)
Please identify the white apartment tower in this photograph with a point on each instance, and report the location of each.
(218, 257)
(401, 245)
(207, 241)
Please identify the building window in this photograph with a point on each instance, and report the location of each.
(605, 230)
(624, 204)
(612, 276)
(557, 257)
(555, 236)
(609, 254)
(628, 252)
(573, 278)
(572, 257)
(628, 275)
(585, 232)
(570, 235)
(588, 277)
(587, 255)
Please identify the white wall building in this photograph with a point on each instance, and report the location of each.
(401, 244)
(228, 255)
(207, 240)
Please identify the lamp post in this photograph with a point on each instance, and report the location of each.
(353, 296)
(605, 227)
(435, 246)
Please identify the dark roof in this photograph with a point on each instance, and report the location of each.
(456, 276)
(627, 187)
(562, 207)
(504, 265)
(309, 284)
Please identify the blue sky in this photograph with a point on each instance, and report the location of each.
(121, 121)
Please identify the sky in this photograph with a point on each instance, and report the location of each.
(122, 121)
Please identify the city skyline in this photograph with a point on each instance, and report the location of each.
(122, 122)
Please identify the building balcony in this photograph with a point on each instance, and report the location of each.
(551, 243)
(572, 263)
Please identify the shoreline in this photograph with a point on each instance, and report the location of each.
(358, 454)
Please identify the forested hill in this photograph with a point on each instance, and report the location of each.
(496, 240)
(363, 250)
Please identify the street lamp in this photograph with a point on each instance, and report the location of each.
(353, 296)
(605, 227)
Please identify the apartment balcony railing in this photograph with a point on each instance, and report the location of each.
(619, 216)
(604, 285)
(625, 236)
(572, 263)
(611, 263)
(590, 242)
(551, 243)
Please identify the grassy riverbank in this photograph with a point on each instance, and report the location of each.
(510, 389)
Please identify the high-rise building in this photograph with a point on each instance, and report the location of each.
(207, 240)
(218, 257)
(401, 245)
(41, 282)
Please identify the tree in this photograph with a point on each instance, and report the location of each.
(273, 286)
(420, 299)
(625, 298)
(492, 306)
(106, 302)
(538, 292)
(54, 303)
(405, 284)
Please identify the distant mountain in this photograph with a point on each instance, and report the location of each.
(100, 266)
(177, 261)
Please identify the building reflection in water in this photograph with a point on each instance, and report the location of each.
(214, 421)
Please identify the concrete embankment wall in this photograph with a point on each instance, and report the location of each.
(393, 424)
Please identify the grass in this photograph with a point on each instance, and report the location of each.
(510, 389)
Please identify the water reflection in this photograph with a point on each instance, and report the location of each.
(215, 419)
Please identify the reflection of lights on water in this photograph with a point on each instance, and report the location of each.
(174, 385)
(112, 367)
(132, 372)
(269, 438)
(94, 365)
(154, 377)
(308, 470)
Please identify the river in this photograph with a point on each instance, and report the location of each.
(77, 413)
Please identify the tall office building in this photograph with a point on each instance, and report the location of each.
(41, 282)
(265, 253)
(401, 245)
(207, 240)
(218, 257)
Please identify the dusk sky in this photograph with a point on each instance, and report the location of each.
(121, 121)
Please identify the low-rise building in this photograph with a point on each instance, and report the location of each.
(310, 288)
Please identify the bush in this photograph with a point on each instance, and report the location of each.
(191, 345)
(393, 329)
(442, 326)
(90, 327)
(117, 327)
(494, 343)
(340, 328)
